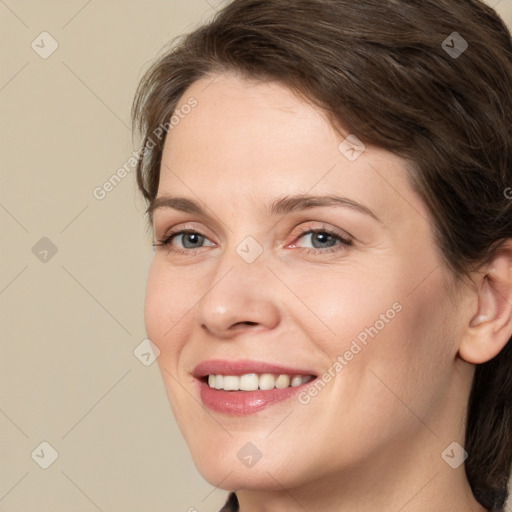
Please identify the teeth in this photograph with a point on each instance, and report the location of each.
(283, 381)
(253, 381)
(296, 381)
(248, 382)
(230, 383)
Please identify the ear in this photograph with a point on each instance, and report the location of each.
(490, 326)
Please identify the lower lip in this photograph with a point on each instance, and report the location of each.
(242, 403)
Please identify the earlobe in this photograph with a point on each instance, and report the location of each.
(490, 327)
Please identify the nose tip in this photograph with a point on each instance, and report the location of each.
(239, 301)
(227, 324)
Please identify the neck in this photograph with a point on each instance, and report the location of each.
(386, 487)
(407, 475)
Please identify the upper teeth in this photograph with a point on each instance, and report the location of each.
(253, 381)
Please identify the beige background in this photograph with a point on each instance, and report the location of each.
(72, 320)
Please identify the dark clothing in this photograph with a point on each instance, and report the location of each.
(231, 505)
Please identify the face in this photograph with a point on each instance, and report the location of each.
(292, 253)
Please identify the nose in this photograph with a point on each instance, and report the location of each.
(238, 298)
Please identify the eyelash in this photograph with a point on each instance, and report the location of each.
(343, 242)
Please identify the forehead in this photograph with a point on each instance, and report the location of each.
(247, 138)
(240, 116)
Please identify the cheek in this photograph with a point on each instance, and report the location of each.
(383, 340)
(406, 361)
(345, 305)
(166, 306)
(165, 311)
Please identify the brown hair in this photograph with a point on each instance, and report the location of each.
(394, 73)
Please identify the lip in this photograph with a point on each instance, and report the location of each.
(241, 367)
(242, 403)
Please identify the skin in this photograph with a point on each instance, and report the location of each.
(372, 438)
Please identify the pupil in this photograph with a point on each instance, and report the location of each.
(323, 238)
(193, 238)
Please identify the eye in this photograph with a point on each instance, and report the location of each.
(181, 241)
(321, 241)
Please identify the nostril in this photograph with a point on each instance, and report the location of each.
(246, 323)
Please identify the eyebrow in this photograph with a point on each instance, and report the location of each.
(279, 206)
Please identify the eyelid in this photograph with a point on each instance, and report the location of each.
(183, 226)
(302, 230)
(165, 242)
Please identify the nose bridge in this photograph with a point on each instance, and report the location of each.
(238, 292)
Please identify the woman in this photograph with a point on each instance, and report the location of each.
(331, 287)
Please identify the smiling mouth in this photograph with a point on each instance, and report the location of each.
(255, 381)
